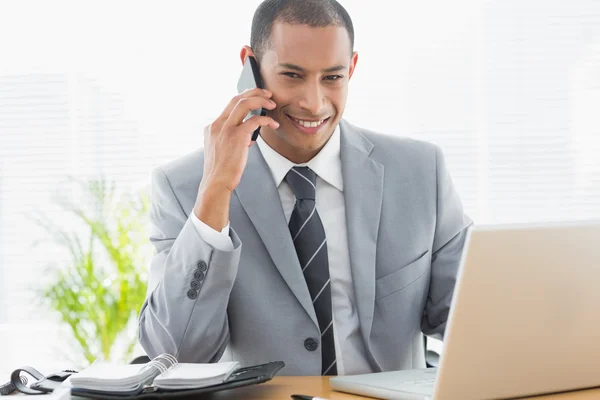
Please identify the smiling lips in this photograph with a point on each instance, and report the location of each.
(309, 127)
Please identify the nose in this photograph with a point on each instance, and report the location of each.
(313, 99)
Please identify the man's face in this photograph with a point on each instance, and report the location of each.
(308, 70)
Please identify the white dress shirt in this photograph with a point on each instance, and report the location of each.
(349, 347)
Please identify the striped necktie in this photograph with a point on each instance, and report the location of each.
(311, 246)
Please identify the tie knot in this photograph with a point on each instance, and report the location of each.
(303, 181)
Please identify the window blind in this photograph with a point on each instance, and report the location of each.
(508, 89)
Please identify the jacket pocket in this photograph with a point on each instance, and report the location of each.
(402, 277)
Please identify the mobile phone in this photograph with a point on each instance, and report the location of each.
(250, 79)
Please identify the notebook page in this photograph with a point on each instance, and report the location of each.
(188, 375)
(112, 377)
(108, 372)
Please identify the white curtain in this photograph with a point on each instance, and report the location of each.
(510, 89)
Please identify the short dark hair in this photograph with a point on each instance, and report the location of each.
(315, 13)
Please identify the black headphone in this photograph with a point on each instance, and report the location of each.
(8, 387)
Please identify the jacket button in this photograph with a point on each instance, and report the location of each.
(195, 285)
(202, 266)
(192, 294)
(199, 275)
(311, 344)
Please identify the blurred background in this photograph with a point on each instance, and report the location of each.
(95, 95)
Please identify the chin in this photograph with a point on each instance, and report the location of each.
(311, 144)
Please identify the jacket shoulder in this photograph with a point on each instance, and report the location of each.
(389, 148)
(184, 173)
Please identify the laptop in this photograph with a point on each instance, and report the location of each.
(524, 320)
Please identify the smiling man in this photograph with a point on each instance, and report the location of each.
(325, 245)
(307, 69)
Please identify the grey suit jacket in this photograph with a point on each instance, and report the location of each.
(406, 231)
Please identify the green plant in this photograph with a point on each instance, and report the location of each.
(101, 284)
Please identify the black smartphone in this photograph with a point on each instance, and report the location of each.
(250, 79)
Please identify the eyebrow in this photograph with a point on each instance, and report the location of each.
(326, 70)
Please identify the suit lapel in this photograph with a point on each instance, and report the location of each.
(259, 197)
(363, 194)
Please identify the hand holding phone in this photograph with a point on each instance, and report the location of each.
(226, 144)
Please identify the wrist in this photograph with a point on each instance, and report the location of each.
(212, 206)
(215, 185)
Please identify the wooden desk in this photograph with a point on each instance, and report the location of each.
(281, 387)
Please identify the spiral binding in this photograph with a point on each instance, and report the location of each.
(161, 363)
(8, 388)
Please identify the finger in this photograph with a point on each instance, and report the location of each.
(207, 130)
(256, 92)
(253, 123)
(244, 106)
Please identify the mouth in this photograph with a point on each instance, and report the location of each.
(308, 127)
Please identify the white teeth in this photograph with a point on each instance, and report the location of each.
(308, 124)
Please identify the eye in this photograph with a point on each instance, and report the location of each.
(333, 77)
(291, 74)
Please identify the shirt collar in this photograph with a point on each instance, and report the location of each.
(327, 163)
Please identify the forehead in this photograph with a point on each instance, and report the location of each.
(309, 47)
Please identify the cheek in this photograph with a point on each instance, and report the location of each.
(338, 97)
(277, 86)
(281, 97)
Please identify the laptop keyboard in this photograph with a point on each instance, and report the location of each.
(421, 382)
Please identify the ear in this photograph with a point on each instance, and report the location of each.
(245, 52)
(353, 62)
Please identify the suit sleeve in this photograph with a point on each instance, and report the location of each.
(185, 312)
(450, 234)
(218, 240)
